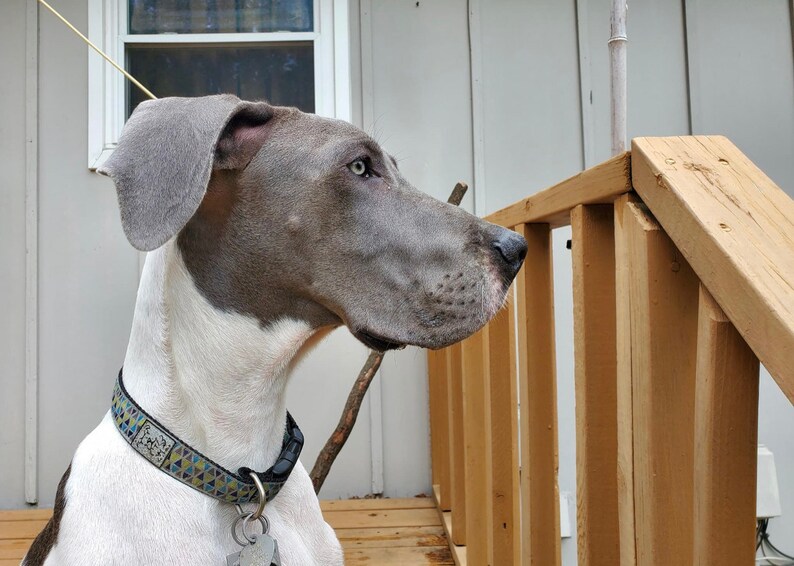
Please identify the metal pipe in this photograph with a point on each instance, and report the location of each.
(617, 64)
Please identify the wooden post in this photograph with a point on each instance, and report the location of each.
(596, 385)
(500, 357)
(475, 430)
(439, 427)
(664, 304)
(625, 407)
(457, 465)
(540, 502)
(736, 228)
(726, 430)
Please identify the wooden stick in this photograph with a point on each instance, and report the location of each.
(91, 44)
(342, 432)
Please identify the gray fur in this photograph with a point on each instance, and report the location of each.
(286, 229)
(163, 163)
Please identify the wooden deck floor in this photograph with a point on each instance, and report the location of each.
(372, 531)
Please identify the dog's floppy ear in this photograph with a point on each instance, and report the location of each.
(166, 154)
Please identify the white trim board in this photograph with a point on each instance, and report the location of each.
(107, 24)
(31, 251)
(374, 394)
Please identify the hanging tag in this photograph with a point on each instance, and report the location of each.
(261, 552)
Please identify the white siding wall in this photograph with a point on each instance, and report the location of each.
(412, 89)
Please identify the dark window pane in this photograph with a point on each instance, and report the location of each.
(281, 73)
(219, 16)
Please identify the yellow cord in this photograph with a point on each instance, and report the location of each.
(132, 79)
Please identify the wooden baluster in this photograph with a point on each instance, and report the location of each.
(475, 430)
(596, 385)
(439, 427)
(726, 430)
(500, 356)
(457, 466)
(540, 503)
(663, 295)
(625, 409)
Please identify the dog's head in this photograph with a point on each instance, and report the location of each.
(278, 213)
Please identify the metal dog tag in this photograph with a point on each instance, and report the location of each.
(263, 552)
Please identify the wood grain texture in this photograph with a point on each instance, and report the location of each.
(372, 531)
(664, 305)
(37, 513)
(14, 549)
(624, 391)
(400, 555)
(458, 552)
(600, 184)
(10, 530)
(540, 504)
(376, 503)
(355, 519)
(504, 479)
(726, 431)
(457, 467)
(595, 350)
(736, 228)
(479, 538)
(439, 422)
(392, 536)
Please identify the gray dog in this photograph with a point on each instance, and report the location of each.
(268, 227)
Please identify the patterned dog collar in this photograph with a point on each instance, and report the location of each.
(179, 460)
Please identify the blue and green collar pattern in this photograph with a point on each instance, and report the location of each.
(179, 460)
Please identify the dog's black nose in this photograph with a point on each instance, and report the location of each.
(512, 250)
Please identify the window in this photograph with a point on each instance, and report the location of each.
(291, 52)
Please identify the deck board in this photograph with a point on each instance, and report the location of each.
(372, 531)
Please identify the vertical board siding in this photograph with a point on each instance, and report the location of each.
(726, 427)
(625, 409)
(664, 306)
(476, 430)
(457, 467)
(503, 397)
(439, 427)
(596, 384)
(540, 504)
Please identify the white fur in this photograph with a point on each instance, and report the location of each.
(217, 380)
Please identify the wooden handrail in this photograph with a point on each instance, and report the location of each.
(600, 184)
(683, 278)
(735, 227)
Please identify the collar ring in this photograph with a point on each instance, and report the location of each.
(262, 495)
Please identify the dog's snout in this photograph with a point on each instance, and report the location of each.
(512, 249)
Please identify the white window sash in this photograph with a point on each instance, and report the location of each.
(107, 27)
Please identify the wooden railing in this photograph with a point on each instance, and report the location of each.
(683, 278)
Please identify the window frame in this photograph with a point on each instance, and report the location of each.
(107, 28)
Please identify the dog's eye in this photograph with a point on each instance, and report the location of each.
(359, 167)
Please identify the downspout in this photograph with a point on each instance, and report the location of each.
(617, 64)
(474, 8)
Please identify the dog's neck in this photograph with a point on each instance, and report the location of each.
(215, 379)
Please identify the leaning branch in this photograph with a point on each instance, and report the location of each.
(339, 437)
